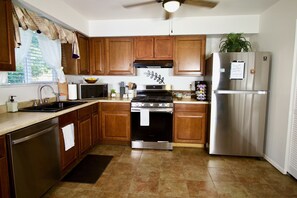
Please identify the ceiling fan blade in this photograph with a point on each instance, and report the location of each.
(167, 15)
(201, 3)
(139, 4)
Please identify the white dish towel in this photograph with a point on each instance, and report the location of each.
(144, 117)
(68, 135)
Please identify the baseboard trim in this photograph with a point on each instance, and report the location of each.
(273, 163)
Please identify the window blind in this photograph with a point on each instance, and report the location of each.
(32, 69)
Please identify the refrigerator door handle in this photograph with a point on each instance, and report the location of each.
(240, 92)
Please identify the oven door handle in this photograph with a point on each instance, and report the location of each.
(161, 110)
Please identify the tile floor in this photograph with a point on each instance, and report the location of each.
(181, 173)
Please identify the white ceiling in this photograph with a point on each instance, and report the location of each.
(112, 9)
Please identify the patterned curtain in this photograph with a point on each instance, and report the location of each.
(29, 20)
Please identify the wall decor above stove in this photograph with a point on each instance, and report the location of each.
(155, 76)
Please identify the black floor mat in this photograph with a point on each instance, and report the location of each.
(89, 169)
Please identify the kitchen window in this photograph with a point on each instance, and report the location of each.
(36, 60)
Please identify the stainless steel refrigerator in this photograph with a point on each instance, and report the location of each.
(239, 85)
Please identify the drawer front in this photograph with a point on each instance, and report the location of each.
(86, 111)
(115, 106)
(202, 108)
(67, 118)
(95, 108)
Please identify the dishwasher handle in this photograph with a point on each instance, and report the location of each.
(29, 137)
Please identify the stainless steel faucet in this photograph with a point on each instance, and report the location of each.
(40, 93)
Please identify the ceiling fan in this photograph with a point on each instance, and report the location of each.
(170, 6)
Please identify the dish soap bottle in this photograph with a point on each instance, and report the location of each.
(12, 106)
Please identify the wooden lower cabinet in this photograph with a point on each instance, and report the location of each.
(4, 178)
(95, 124)
(85, 129)
(115, 121)
(68, 157)
(190, 123)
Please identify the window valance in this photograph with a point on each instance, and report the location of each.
(27, 19)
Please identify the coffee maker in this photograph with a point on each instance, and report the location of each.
(201, 90)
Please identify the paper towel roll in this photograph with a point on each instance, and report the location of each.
(72, 92)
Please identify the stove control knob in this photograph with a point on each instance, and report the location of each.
(141, 105)
(151, 104)
(166, 105)
(160, 105)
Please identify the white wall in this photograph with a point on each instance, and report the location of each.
(177, 82)
(277, 34)
(24, 92)
(248, 24)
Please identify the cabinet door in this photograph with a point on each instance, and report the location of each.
(4, 178)
(97, 56)
(95, 125)
(144, 48)
(119, 57)
(116, 125)
(70, 65)
(85, 129)
(163, 48)
(115, 121)
(68, 157)
(7, 57)
(83, 62)
(189, 127)
(189, 55)
(76, 66)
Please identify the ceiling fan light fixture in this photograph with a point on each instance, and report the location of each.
(171, 5)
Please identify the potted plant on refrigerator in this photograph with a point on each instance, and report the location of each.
(234, 42)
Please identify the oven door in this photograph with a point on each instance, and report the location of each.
(158, 131)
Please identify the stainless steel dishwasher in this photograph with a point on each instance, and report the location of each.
(34, 159)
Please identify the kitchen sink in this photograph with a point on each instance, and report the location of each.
(52, 107)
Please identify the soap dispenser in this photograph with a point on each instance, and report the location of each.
(12, 106)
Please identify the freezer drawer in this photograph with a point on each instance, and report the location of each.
(238, 121)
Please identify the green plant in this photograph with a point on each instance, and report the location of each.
(234, 42)
(112, 91)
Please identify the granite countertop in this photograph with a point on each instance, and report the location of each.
(13, 121)
(189, 101)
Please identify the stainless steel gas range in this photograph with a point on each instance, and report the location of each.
(152, 117)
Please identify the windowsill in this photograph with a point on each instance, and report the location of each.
(27, 84)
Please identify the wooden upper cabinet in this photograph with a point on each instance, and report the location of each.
(119, 56)
(189, 55)
(76, 66)
(7, 56)
(97, 56)
(83, 62)
(69, 64)
(151, 48)
(144, 47)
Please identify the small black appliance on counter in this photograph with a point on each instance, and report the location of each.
(201, 90)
